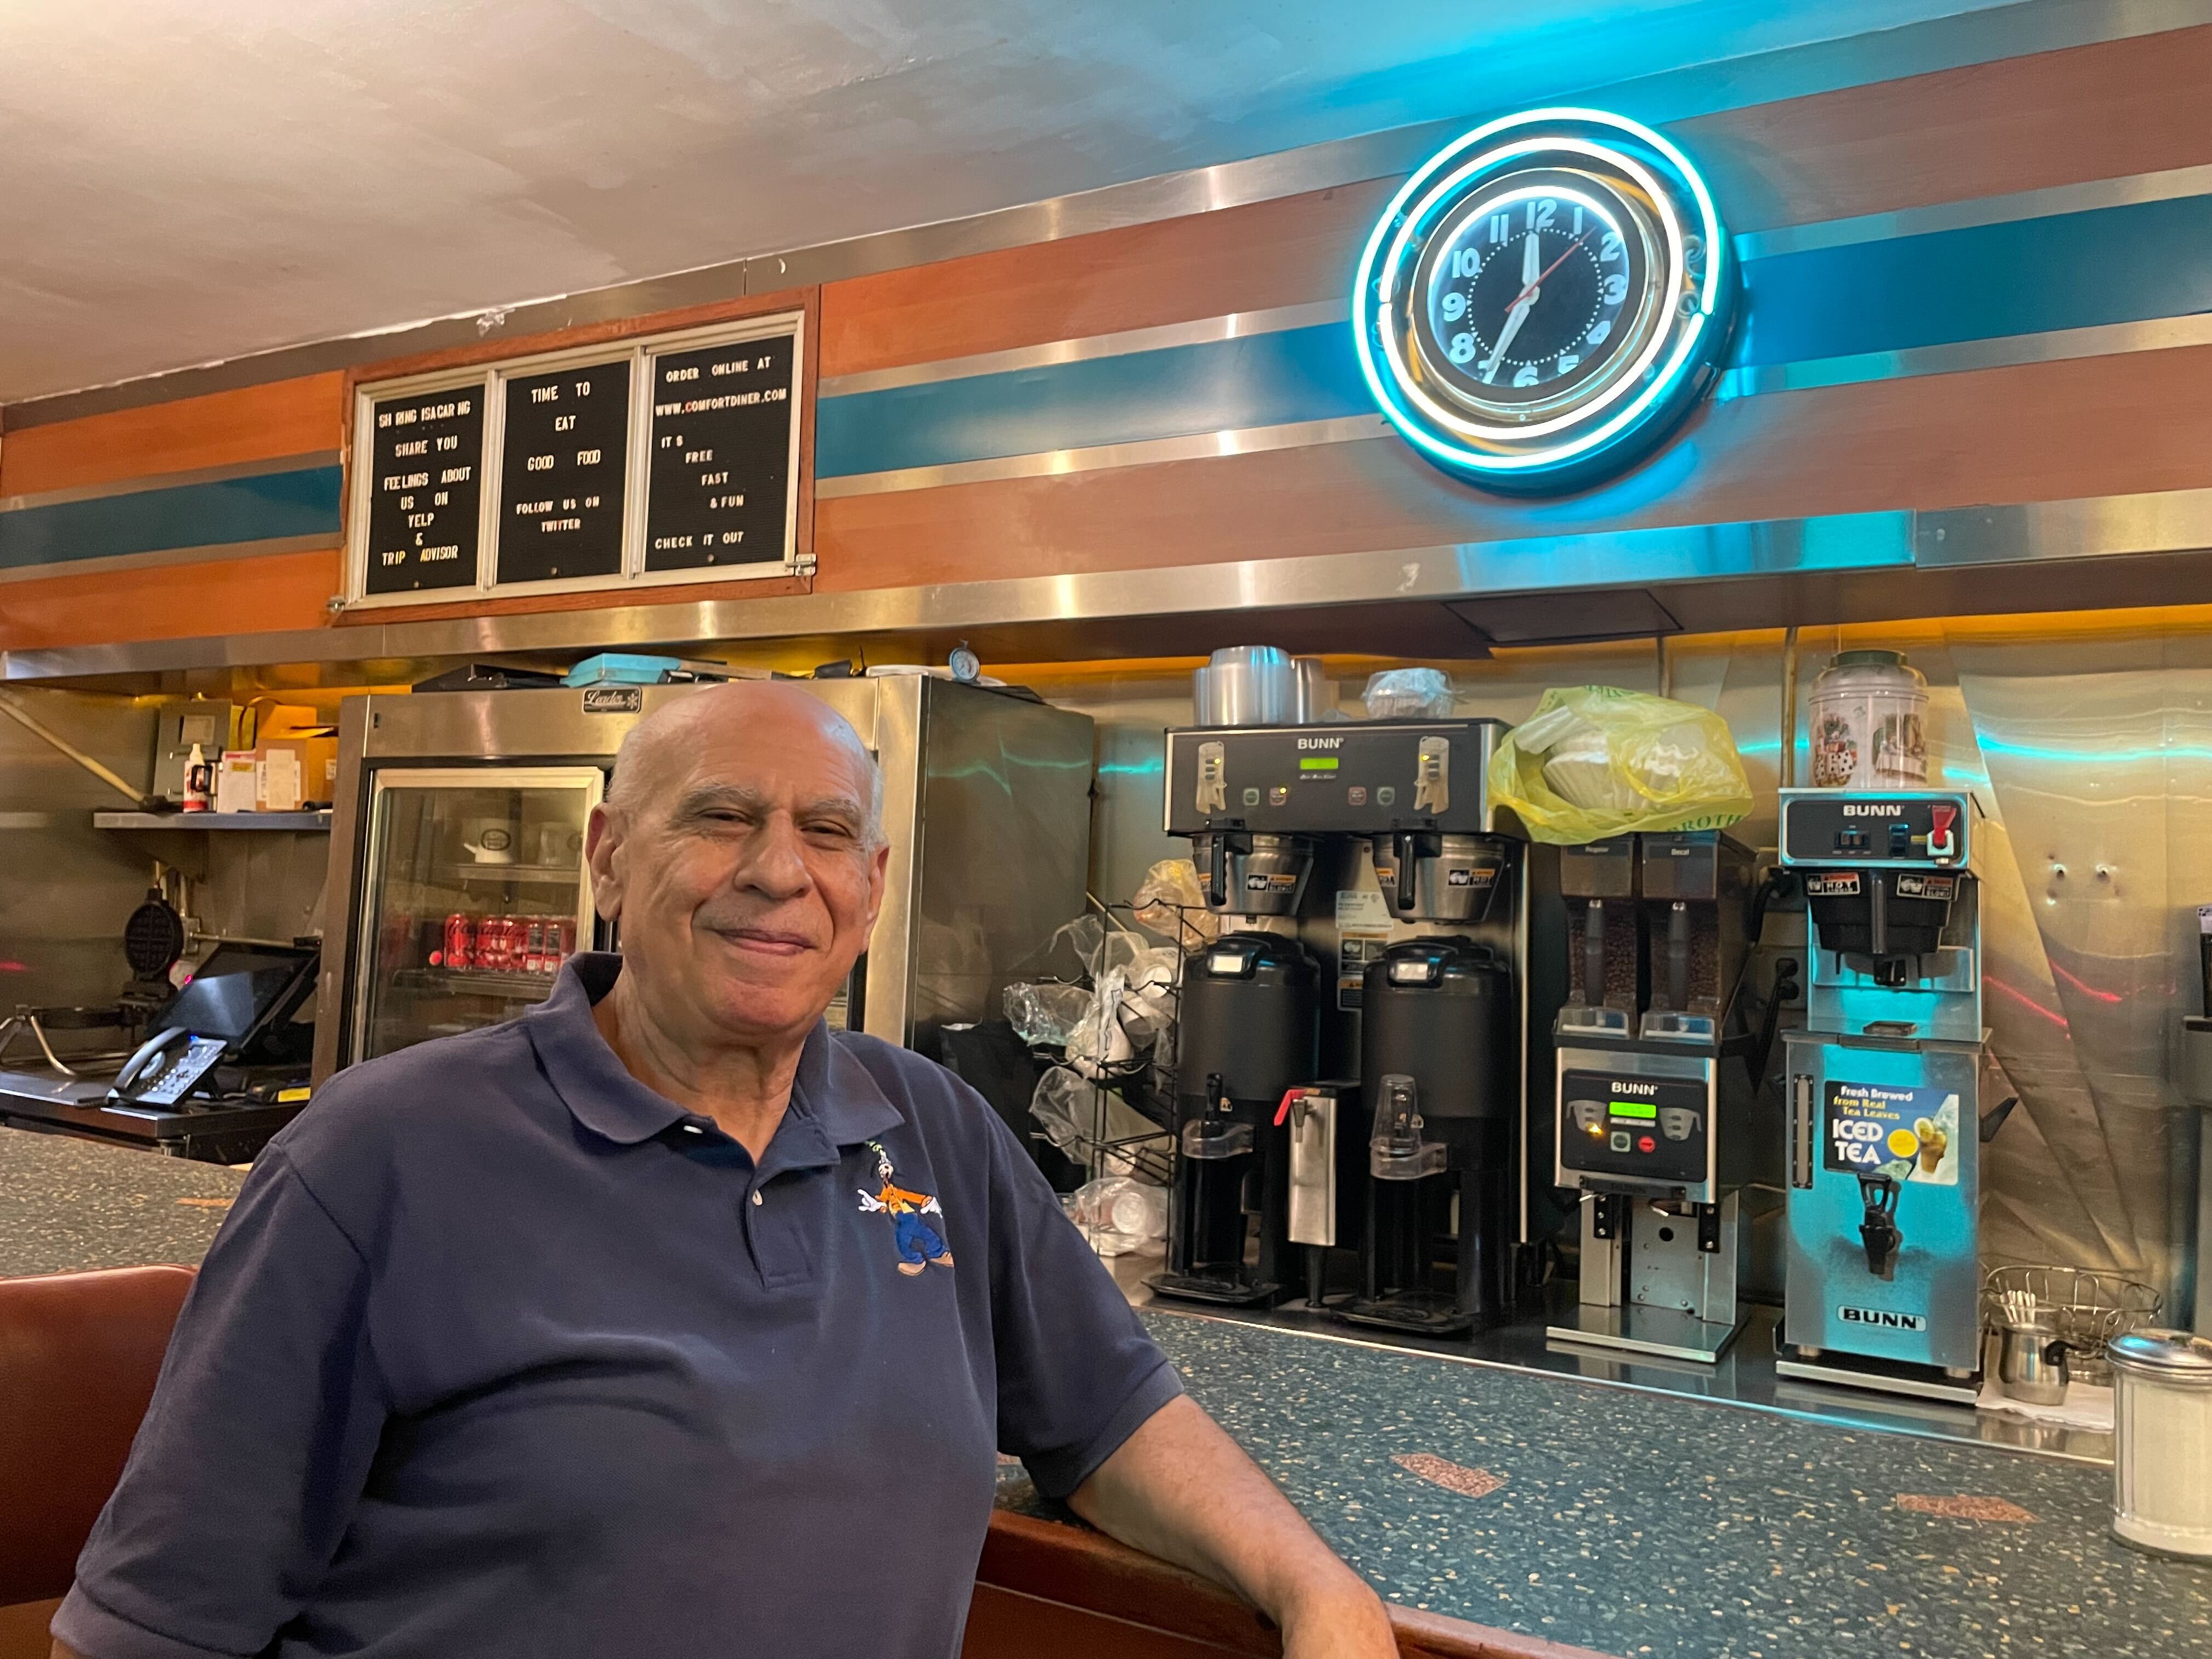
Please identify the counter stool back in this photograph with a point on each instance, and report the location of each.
(78, 1356)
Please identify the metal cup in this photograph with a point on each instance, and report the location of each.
(1246, 685)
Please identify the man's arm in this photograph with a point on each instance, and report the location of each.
(1181, 1489)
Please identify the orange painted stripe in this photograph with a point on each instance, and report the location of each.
(2057, 117)
(169, 602)
(2096, 112)
(1287, 251)
(253, 423)
(2042, 432)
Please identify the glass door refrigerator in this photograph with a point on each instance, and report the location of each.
(458, 885)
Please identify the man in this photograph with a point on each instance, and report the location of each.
(587, 1335)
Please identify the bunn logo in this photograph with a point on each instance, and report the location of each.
(1872, 809)
(1320, 743)
(1880, 1318)
(1621, 1087)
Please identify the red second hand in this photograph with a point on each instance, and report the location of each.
(1548, 270)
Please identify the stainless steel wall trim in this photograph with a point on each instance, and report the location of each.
(1236, 324)
(2107, 526)
(1875, 540)
(1196, 446)
(2125, 191)
(1975, 37)
(301, 463)
(2105, 340)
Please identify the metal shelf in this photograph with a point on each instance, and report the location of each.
(476, 982)
(295, 820)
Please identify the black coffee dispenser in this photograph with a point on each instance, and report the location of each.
(1440, 1058)
(1247, 1040)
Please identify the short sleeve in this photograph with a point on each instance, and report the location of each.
(1077, 1374)
(246, 1470)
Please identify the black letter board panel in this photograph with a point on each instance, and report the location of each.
(562, 460)
(719, 480)
(425, 491)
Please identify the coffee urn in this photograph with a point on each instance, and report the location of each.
(1440, 1059)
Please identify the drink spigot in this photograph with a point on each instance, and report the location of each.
(1878, 1230)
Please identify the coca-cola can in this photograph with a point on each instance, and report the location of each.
(564, 944)
(461, 949)
(508, 948)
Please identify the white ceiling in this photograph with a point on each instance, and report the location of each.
(180, 184)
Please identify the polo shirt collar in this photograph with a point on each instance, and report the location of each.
(835, 1101)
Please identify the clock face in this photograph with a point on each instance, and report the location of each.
(1533, 291)
(1545, 299)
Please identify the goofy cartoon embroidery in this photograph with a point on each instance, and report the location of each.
(918, 1243)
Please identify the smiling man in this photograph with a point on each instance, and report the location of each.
(663, 1320)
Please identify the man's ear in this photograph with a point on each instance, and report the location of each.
(602, 840)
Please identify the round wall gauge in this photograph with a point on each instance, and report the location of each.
(1545, 299)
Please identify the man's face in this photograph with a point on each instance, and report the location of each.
(739, 867)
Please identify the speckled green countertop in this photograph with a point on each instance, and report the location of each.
(66, 1205)
(1638, 1523)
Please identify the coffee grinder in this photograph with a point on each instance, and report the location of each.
(1420, 899)
(1654, 1098)
(1885, 1087)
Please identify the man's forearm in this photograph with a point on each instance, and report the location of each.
(63, 1651)
(1181, 1489)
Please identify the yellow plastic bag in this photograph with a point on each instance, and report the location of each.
(1596, 761)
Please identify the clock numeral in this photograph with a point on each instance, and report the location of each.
(1569, 363)
(1578, 227)
(1525, 375)
(1609, 249)
(1501, 227)
(1454, 306)
(1462, 350)
(1541, 213)
(1616, 288)
(1466, 262)
(1599, 334)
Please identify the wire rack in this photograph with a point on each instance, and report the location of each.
(2086, 1309)
(1143, 1084)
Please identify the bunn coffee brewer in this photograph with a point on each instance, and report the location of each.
(1653, 1094)
(1885, 1085)
(1247, 1039)
(1404, 849)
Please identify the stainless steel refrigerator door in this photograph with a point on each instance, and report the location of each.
(474, 889)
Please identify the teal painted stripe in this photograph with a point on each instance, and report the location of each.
(2020, 278)
(265, 507)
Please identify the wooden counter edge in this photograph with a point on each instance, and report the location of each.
(1077, 1567)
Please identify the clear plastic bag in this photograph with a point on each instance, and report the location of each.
(1596, 761)
(1098, 1045)
(1171, 903)
(1409, 694)
(1063, 1103)
(1119, 1216)
(1045, 1016)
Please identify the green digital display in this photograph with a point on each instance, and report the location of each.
(1317, 762)
(1642, 1109)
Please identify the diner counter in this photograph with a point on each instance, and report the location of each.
(1543, 1509)
(1641, 1524)
(68, 1205)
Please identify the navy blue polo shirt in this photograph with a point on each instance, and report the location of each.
(502, 1353)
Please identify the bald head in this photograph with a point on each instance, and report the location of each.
(661, 750)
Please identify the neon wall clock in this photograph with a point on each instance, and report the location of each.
(1545, 300)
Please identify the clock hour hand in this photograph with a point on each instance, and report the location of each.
(1532, 256)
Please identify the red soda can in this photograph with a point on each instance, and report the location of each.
(460, 949)
(564, 945)
(533, 947)
(501, 952)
